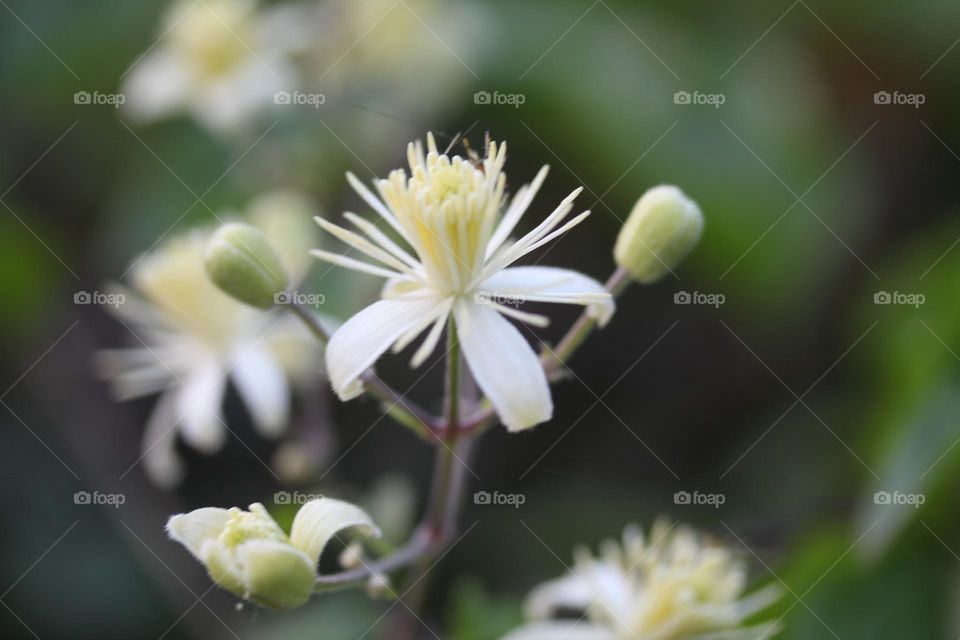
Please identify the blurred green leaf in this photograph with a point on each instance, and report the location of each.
(476, 615)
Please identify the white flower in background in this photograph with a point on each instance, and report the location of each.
(221, 61)
(190, 338)
(392, 47)
(248, 554)
(674, 585)
(453, 215)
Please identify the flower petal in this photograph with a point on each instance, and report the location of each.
(276, 574)
(551, 284)
(158, 85)
(159, 448)
(521, 201)
(263, 387)
(198, 407)
(364, 337)
(561, 630)
(568, 592)
(364, 246)
(504, 366)
(193, 529)
(318, 521)
(762, 631)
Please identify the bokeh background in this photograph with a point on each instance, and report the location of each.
(797, 399)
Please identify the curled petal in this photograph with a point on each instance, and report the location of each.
(318, 521)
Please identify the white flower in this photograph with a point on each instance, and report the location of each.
(248, 554)
(221, 61)
(674, 585)
(190, 338)
(453, 215)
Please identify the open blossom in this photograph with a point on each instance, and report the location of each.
(191, 338)
(456, 219)
(672, 585)
(248, 554)
(220, 61)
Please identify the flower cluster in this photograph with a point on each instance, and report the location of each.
(209, 306)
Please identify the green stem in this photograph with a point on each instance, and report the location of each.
(440, 519)
(448, 484)
(446, 440)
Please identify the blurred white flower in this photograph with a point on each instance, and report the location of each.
(248, 554)
(674, 585)
(221, 61)
(449, 212)
(191, 337)
(415, 52)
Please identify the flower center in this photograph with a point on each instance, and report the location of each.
(213, 36)
(255, 524)
(448, 208)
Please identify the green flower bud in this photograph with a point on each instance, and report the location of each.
(249, 555)
(241, 261)
(662, 229)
